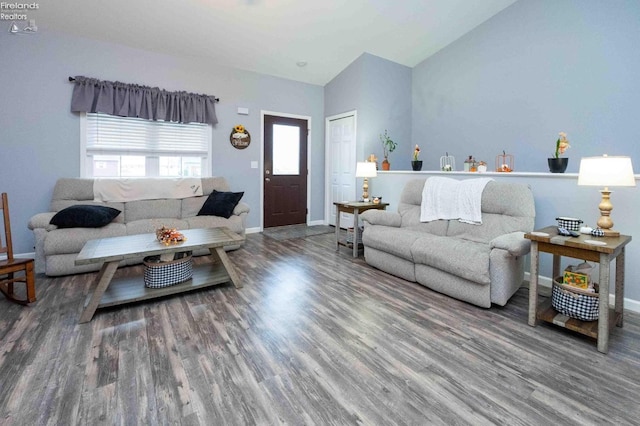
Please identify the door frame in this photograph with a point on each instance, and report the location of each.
(327, 157)
(309, 130)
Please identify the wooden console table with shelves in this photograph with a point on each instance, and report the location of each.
(355, 208)
(580, 248)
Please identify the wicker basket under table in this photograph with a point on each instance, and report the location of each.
(160, 274)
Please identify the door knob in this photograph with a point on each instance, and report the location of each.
(267, 179)
(266, 172)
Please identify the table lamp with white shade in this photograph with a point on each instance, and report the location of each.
(366, 170)
(606, 171)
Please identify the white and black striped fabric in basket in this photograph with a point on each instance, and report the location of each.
(569, 223)
(164, 274)
(574, 302)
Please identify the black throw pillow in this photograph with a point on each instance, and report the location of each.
(220, 204)
(84, 216)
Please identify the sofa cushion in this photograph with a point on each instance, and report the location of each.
(457, 256)
(191, 206)
(152, 209)
(397, 241)
(71, 240)
(493, 225)
(216, 182)
(220, 204)
(234, 223)
(84, 216)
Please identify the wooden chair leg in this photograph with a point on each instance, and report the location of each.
(30, 282)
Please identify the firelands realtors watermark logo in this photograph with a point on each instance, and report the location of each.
(16, 11)
(20, 15)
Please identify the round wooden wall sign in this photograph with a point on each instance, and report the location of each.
(239, 137)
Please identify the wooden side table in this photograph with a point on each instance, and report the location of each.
(355, 208)
(576, 247)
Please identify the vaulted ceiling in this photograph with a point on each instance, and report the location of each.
(275, 37)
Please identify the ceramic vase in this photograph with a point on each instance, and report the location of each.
(416, 165)
(557, 165)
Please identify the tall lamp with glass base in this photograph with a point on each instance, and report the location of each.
(366, 170)
(606, 171)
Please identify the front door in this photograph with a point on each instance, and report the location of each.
(285, 171)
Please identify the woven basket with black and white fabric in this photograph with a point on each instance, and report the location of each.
(569, 223)
(574, 302)
(164, 274)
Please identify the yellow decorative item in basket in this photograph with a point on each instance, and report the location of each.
(576, 280)
(168, 236)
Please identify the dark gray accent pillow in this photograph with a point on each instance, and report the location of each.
(220, 204)
(84, 216)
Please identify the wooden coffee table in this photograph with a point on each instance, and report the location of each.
(111, 251)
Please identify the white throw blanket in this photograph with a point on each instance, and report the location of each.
(123, 189)
(446, 198)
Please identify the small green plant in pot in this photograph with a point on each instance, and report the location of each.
(388, 146)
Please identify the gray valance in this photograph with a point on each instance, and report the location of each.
(132, 100)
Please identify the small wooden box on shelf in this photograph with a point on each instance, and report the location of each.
(547, 240)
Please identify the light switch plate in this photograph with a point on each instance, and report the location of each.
(243, 111)
(254, 164)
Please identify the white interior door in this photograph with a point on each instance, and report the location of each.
(341, 164)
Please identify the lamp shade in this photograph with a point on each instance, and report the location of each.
(366, 170)
(606, 171)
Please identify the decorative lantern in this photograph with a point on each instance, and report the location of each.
(504, 162)
(470, 164)
(447, 163)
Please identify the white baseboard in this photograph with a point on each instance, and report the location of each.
(629, 304)
(258, 229)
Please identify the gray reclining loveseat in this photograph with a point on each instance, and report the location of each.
(480, 264)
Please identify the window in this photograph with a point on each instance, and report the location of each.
(134, 147)
(286, 150)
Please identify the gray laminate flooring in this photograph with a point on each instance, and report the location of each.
(314, 337)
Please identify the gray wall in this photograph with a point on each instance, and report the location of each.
(533, 70)
(380, 90)
(40, 138)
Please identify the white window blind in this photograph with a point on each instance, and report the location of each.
(123, 146)
(108, 134)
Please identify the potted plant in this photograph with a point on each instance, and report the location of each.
(388, 145)
(416, 164)
(556, 163)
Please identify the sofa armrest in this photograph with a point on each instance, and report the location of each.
(42, 220)
(241, 208)
(381, 217)
(514, 243)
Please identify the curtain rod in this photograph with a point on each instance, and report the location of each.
(73, 79)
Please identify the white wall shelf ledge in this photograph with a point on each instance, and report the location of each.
(490, 174)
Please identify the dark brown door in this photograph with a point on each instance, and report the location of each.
(285, 171)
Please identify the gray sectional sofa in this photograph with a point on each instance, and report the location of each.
(57, 248)
(480, 264)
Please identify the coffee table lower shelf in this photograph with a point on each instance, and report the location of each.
(131, 288)
(547, 313)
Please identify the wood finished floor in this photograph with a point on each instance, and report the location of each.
(314, 337)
